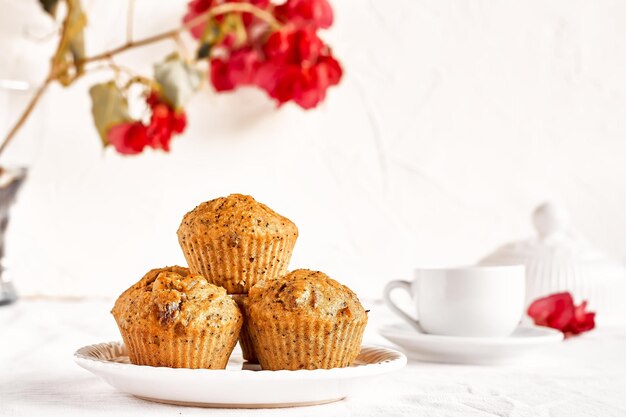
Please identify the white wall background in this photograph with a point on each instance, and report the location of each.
(454, 119)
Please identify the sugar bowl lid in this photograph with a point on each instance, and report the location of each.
(555, 239)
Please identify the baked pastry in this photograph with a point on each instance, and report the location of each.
(305, 320)
(236, 241)
(177, 319)
(245, 342)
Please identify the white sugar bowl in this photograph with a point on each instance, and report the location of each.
(559, 259)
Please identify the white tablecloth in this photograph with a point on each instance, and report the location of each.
(584, 376)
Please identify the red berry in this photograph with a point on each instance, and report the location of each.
(128, 138)
(316, 14)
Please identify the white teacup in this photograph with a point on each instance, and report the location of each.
(476, 301)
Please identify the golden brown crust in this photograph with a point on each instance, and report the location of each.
(237, 214)
(236, 241)
(174, 318)
(306, 292)
(305, 320)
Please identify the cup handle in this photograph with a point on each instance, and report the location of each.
(406, 286)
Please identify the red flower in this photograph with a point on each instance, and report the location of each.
(583, 320)
(197, 7)
(316, 14)
(294, 47)
(299, 67)
(194, 9)
(239, 69)
(128, 138)
(331, 68)
(164, 122)
(291, 64)
(559, 312)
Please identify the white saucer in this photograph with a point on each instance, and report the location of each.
(239, 385)
(470, 350)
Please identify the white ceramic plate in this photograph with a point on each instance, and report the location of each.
(235, 387)
(470, 350)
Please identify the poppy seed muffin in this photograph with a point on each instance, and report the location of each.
(236, 241)
(305, 320)
(177, 319)
(247, 349)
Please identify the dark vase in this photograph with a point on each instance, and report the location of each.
(11, 181)
(20, 153)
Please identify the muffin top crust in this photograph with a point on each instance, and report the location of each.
(236, 214)
(305, 293)
(174, 298)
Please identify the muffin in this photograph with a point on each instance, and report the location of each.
(177, 319)
(236, 241)
(305, 320)
(244, 336)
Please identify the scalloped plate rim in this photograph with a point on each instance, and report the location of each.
(395, 363)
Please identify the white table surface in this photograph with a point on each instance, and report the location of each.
(584, 376)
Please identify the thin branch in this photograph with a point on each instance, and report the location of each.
(55, 71)
(29, 108)
(123, 69)
(171, 34)
(127, 46)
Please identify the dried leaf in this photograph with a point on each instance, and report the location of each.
(109, 107)
(204, 51)
(212, 35)
(178, 80)
(71, 49)
(212, 32)
(233, 24)
(50, 6)
(215, 32)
